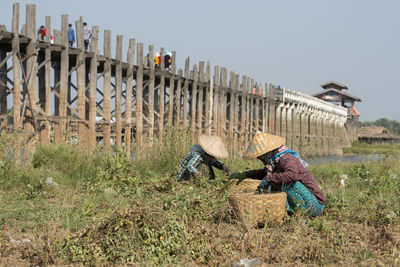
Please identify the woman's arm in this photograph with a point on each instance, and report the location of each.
(291, 168)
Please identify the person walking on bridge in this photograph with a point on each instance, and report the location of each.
(284, 171)
(71, 35)
(86, 35)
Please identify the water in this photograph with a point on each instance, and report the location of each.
(342, 158)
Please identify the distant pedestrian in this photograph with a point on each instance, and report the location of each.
(86, 35)
(41, 33)
(71, 35)
(157, 60)
(167, 60)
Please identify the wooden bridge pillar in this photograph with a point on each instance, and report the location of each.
(215, 100)
(208, 98)
(185, 90)
(107, 90)
(242, 114)
(128, 101)
(118, 93)
(64, 69)
(161, 118)
(195, 103)
(178, 98)
(3, 89)
(30, 73)
(236, 110)
(151, 95)
(16, 70)
(289, 126)
(284, 120)
(81, 86)
(200, 99)
(272, 110)
(93, 87)
(139, 95)
(171, 92)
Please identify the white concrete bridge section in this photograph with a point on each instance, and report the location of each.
(310, 124)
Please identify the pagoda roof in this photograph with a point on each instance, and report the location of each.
(325, 85)
(339, 92)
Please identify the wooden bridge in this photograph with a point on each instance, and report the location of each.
(59, 92)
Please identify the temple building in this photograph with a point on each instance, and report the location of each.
(334, 93)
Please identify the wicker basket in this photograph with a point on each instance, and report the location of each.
(255, 209)
(246, 186)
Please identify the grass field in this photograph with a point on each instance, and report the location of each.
(108, 210)
(364, 148)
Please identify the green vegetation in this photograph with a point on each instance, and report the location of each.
(107, 209)
(392, 125)
(364, 148)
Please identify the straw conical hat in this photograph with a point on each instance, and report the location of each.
(213, 145)
(263, 143)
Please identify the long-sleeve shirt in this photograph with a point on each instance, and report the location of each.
(71, 35)
(86, 33)
(288, 169)
(193, 159)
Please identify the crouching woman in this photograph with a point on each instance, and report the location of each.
(284, 171)
(205, 153)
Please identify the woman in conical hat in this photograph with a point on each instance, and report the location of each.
(284, 171)
(210, 148)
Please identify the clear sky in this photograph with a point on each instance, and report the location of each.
(298, 44)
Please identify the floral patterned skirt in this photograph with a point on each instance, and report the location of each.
(299, 198)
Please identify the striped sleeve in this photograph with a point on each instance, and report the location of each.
(194, 162)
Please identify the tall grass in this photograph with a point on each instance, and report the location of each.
(110, 210)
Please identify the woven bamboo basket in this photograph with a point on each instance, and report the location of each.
(246, 186)
(257, 209)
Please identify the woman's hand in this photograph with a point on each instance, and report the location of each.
(226, 170)
(238, 175)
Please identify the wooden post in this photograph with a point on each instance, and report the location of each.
(185, 93)
(139, 95)
(257, 112)
(249, 119)
(64, 69)
(231, 104)
(42, 92)
(252, 100)
(16, 69)
(243, 113)
(208, 111)
(118, 92)
(272, 110)
(262, 108)
(236, 115)
(107, 90)
(128, 98)
(200, 100)
(222, 103)
(3, 86)
(171, 91)
(45, 133)
(178, 98)
(30, 75)
(215, 123)
(211, 105)
(151, 94)
(194, 100)
(92, 88)
(162, 98)
(81, 84)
